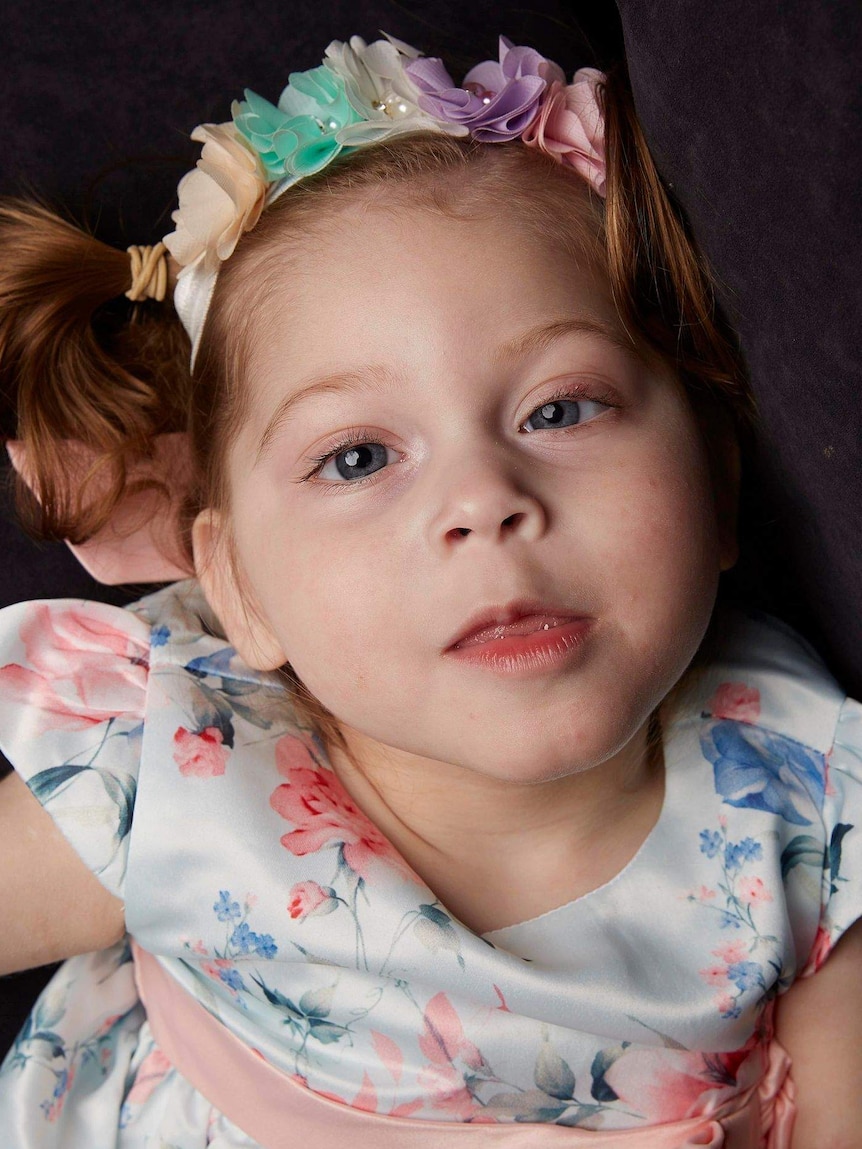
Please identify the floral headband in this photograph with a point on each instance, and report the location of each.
(361, 94)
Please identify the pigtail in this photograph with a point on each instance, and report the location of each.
(80, 363)
(661, 283)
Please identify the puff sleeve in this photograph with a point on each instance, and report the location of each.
(841, 883)
(73, 681)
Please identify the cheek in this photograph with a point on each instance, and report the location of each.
(662, 550)
(329, 598)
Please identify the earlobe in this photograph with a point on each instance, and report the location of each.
(246, 629)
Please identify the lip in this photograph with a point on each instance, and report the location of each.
(501, 616)
(539, 652)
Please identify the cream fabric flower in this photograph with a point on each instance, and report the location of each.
(220, 198)
(380, 90)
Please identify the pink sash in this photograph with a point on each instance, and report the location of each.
(279, 1113)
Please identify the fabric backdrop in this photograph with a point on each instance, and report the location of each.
(752, 111)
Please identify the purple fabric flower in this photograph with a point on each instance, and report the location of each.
(497, 100)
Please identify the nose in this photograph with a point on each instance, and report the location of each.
(488, 498)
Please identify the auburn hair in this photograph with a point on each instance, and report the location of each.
(79, 362)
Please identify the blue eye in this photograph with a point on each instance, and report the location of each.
(553, 412)
(356, 462)
(358, 456)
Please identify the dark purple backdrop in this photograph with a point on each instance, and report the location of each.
(753, 111)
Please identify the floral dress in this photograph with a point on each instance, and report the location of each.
(187, 784)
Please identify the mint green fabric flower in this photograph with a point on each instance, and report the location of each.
(298, 137)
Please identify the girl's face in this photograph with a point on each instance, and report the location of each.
(507, 442)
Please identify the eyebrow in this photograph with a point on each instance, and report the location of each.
(371, 379)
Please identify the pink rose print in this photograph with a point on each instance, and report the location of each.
(309, 898)
(200, 755)
(81, 671)
(736, 701)
(753, 890)
(152, 1070)
(820, 951)
(323, 814)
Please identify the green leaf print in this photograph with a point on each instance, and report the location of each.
(553, 1075)
(803, 850)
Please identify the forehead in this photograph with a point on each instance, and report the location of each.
(401, 283)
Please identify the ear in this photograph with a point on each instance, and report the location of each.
(242, 621)
(726, 482)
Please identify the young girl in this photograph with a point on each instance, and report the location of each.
(445, 801)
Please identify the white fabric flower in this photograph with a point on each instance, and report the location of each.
(220, 198)
(380, 90)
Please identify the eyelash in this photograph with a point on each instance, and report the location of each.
(361, 435)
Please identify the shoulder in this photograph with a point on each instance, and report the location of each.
(762, 672)
(785, 745)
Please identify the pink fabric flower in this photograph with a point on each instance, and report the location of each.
(323, 814)
(570, 126)
(200, 755)
(308, 898)
(736, 701)
(81, 670)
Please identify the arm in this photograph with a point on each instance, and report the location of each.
(819, 1023)
(52, 905)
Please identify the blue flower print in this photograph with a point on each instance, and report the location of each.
(765, 771)
(232, 978)
(266, 947)
(247, 941)
(729, 921)
(736, 854)
(159, 635)
(225, 909)
(745, 974)
(710, 842)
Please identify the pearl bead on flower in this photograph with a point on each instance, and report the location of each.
(484, 94)
(395, 106)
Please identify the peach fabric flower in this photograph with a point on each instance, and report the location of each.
(220, 198)
(569, 126)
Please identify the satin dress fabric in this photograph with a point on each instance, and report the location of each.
(275, 932)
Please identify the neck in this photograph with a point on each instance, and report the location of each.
(442, 817)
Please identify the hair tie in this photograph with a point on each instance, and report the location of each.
(149, 272)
